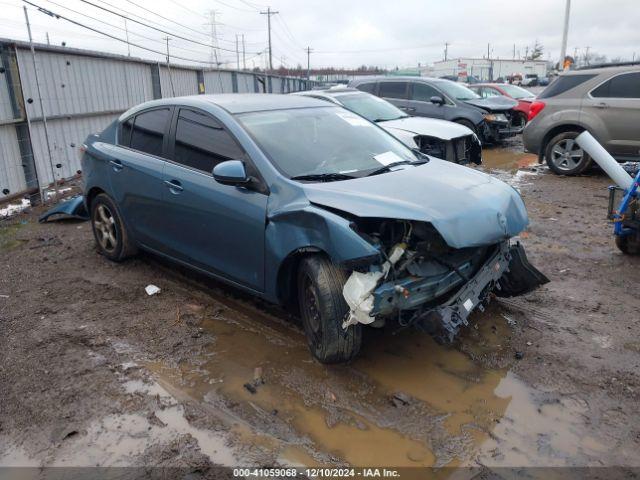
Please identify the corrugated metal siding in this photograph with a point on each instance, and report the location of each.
(185, 82)
(62, 134)
(217, 82)
(74, 84)
(245, 83)
(11, 171)
(276, 85)
(6, 112)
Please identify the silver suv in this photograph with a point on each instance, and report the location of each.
(604, 101)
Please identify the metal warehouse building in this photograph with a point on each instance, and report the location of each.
(487, 69)
(82, 92)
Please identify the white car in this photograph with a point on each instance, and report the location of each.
(437, 138)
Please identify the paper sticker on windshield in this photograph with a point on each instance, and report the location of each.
(387, 158)
(353, 119)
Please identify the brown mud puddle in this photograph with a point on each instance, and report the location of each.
(406, 401)
(507, 159)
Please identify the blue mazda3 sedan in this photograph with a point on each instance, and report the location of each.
(308, 205)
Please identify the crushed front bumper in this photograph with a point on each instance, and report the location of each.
(506, 271)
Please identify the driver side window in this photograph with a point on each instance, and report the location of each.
(202, 142)
(423, 92)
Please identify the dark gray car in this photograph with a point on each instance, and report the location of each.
(489, 118)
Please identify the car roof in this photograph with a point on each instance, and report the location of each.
(238, 102)
(602, 70)
(378, 78)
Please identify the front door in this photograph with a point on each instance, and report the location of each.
(135, 173)
(218, 228)
(616, 104)
(420, 101)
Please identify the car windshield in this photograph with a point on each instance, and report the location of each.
(517, 92)
(323, 140)
(457, 91)
(371, 107)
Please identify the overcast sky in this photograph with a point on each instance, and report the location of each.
(342, 33)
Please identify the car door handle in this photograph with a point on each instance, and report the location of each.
(602, 105)
(117, 165)
(174, 186)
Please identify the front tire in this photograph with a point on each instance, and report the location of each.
(112, 239)
(323, 309)
(564, 156)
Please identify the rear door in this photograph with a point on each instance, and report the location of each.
(616, 103)
(218, 228)
(396, 92)
(135, 173)
(420, 101)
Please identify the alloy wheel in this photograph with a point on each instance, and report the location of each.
(567, 155)
(105, 228)
(312, 310)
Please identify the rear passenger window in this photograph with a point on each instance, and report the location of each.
(622, 86)
(202, 143)
(367, 87)
(564, 83)
(148, 131)
(423, 92)
(393, 89)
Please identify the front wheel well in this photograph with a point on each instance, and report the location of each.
(555, 131)
(288, 274)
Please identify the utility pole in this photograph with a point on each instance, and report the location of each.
(173, 92)
(237, 54)
(514, 51)
(269, 13)
(565, 33)
(244, 55)
(126, 31)
(48, 42)
(308, 50)
(446, 50)
(42, 111)
(586, 54)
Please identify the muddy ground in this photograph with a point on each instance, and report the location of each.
(93, 371)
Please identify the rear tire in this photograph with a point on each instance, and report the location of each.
(519, 120)
(628, 244)
(323, 309)
(564, 156)
(112, 239)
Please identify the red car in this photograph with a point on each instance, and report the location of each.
(522, 96)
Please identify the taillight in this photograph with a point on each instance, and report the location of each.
(535, 108)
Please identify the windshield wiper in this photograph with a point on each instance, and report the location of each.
(377, 120)
(386, 168)
(323, 177)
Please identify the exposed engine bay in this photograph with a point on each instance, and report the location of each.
(422, 281)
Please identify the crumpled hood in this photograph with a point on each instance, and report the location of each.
(432, 127)
(493, 104)
(467, 207)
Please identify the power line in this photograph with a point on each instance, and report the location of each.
(165, 18)
(58, 16)
(149, 26)
(379, 49)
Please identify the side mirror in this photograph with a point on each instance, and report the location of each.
(231, 172)
(437, 100)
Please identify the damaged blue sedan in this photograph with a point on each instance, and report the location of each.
(308, 205)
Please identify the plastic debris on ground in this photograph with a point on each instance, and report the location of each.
(151, 290)
(14, 208)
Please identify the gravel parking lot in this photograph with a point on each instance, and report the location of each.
(96, 372)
